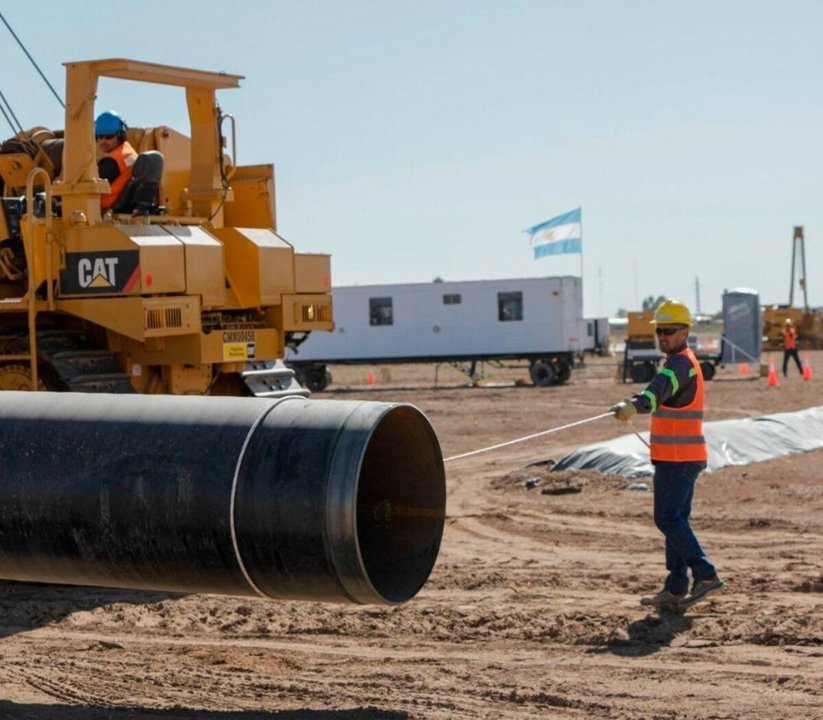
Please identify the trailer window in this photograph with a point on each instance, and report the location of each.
(453, 299)
(509, 306)
(380, 311)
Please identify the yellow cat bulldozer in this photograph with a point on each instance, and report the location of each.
(184, 287)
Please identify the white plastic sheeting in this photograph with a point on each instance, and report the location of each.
(731, 442)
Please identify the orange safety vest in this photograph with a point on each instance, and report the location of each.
(790, 338)
(677, 433)
(124, 155)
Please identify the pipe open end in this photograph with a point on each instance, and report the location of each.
(401, 504)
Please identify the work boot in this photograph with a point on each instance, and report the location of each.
(663, 599)
(701, 590)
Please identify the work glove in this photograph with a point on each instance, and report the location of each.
(623, 410)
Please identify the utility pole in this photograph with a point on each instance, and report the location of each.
(697, 294)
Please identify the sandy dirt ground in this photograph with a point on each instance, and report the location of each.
(531, 611)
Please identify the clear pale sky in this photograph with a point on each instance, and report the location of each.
(419, 138)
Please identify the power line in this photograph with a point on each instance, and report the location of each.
(8, 119)
(5, 104)
(31, 59)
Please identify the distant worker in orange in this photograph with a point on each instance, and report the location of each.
(679, 453)
(790, 347)
(116, 155)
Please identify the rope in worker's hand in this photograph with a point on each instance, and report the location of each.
(529, 437)
(640, 437)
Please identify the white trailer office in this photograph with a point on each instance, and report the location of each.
(535, 319)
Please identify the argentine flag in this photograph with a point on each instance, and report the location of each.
(563, 234)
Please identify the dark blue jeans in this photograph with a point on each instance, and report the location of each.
(673, 491)
(795, 356)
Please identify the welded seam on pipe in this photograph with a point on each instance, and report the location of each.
(350, 522)
(263, 415)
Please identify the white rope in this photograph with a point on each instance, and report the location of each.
(640, 437)
(529, 437)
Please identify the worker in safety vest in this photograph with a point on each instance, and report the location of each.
(678, 452)
(790, 347)
(116, 155)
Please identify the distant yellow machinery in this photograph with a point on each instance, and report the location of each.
(185, 288)
(807, 321)
(641, 356)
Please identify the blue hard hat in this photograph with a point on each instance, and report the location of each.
(108, 123)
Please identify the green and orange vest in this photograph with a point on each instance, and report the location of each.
(677, 433)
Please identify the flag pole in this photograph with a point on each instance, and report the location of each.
(581, 258)
(581, 247)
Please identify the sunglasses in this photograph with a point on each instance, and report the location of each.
(668, 332)
(105, 137)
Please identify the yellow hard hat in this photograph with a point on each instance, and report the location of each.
(672, 312)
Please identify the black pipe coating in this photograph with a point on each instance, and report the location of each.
(290, 498)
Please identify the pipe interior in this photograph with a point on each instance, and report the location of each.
(401, 504)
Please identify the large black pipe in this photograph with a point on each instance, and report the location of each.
(291, 498)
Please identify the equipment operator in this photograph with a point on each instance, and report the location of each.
(117, 156)
(675, 398)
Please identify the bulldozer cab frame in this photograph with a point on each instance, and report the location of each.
(81, 187)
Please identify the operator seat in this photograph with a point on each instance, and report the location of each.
(140, 193)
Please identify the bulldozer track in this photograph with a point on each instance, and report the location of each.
(80, 366)
(68, 362)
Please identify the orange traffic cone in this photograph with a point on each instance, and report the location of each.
(807, 367)
(370, 378)
(772, 381)
(744, 369)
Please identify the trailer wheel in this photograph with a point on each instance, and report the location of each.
(317, 379)
(563, 370)
(542, 373)
(708, 370)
